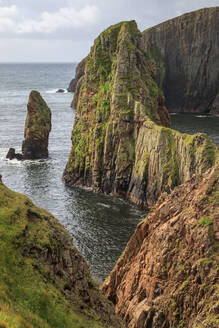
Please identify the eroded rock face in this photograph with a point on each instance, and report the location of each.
(187, 51)
(168, 273)
(37, 128)
(120, 141)
(43, 277)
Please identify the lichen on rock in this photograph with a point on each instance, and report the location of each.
(44, 280)
(168, 273)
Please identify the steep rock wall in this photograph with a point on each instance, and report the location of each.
(44, 280)
(187, 50)
(118, 143)
(168, 273)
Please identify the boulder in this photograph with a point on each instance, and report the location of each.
(60, 91)
(11, 154)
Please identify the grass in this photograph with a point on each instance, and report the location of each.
(31, 294)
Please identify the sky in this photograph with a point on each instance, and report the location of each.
(64, 30)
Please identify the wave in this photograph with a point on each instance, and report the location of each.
(55, 90)
(202, 116)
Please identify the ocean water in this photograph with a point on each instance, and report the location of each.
(100, 225)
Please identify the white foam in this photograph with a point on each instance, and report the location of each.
(201, 116)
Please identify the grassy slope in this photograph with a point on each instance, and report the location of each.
(30, 295)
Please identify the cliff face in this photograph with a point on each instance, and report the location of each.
(187, 50)
(119, 144)
(44, 281)
(37, 128)
(168, 273)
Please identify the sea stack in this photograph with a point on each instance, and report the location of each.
(37, 128)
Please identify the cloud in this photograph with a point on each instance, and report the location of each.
(48, 22)
(8, 11)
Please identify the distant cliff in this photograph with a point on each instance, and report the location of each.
(187, 50)
(44, 281)
(168, 273)
(121, 143)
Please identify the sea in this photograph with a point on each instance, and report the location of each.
(100, 225)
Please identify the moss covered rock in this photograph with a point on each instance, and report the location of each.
(114, 97)
(168, 273)
(121, 143)
(37, 128)
(44, 281)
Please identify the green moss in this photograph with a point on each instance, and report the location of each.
(205, 221)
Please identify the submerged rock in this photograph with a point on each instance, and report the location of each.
(44, 280)
(60, 91)
(168, 273)
(37, 128)
(121, 143)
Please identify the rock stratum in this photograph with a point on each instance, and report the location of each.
(121, 140)
(187, 51)
(44, 281)
(168, 273)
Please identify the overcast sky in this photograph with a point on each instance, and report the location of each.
(64, 30)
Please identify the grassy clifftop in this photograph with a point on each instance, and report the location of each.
(44, 281)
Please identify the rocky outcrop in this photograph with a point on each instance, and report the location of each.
(37, 128)
(44, 281)
(120, 140)
(168, 273)
(78, 74)
(187, 51)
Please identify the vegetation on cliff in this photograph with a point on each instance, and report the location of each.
(168, 273)
(121, 143)
(44, 281)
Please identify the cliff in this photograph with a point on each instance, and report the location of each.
(168, 273)
(187, 50)
(37, 128)
(120, 141)
(44, 281)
